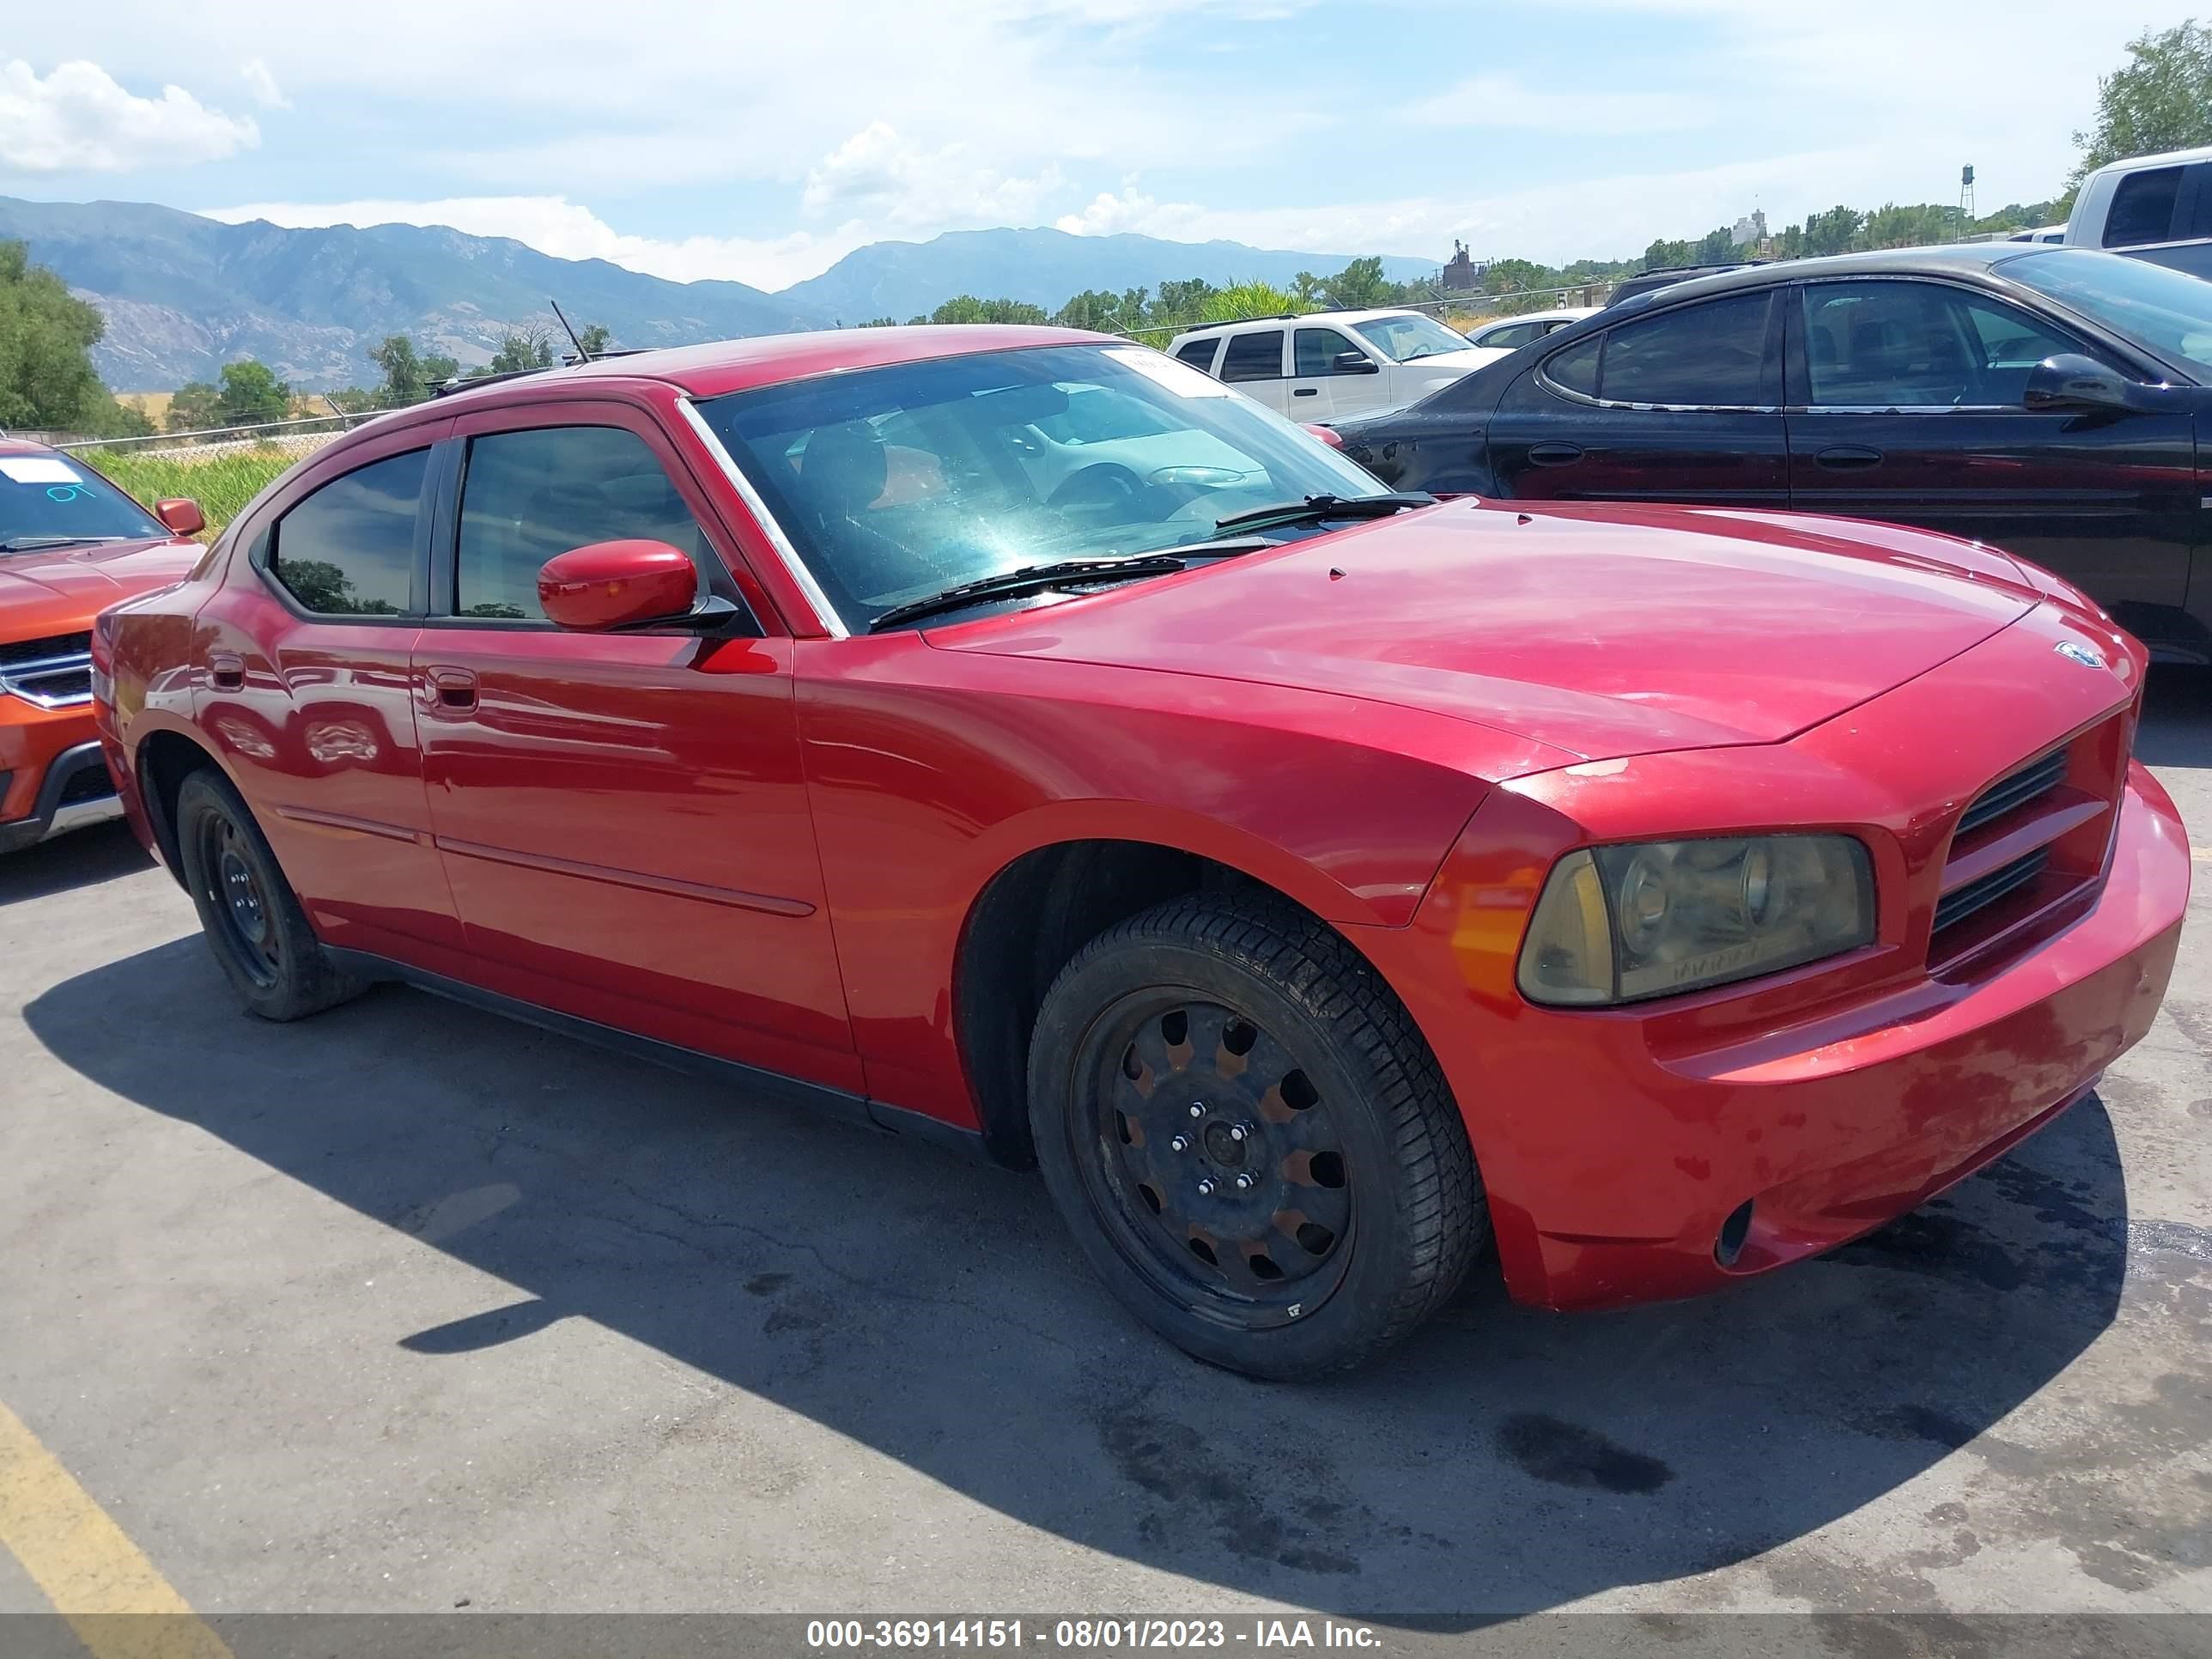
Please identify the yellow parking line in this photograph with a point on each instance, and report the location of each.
(95, 1577)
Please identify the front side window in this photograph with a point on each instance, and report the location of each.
(2142, 208)
(1254, 357)
(1003, 493)
(1900, 344)
(1409, 336)
(349, 549)
(1713, 354)
(1318, 351)
(529, 496)
(51, 501)
(1511, 336)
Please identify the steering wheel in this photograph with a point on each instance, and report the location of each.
(1103, 488)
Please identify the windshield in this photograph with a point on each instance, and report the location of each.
(48, 500)
(2165, 310)
(898, 483)
(1403, 339)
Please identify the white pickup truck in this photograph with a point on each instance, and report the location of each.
(2157, 207)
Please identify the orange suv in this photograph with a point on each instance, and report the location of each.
(71, 543)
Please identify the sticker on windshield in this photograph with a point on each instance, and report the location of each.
(1174, 376)
(39, 470)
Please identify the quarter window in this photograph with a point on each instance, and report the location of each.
(1254, 357)
(1892, 344)
(2142, 208)
(1199, 354)
(1575, 369)
(349, 549)
(529, 496)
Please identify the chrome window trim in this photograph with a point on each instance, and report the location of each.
(794, 566)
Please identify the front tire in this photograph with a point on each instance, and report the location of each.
(253, 922)
(1250, 1138)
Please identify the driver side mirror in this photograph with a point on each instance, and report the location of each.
(606, 586)
(2070, 380)
(180, 516)
(1353, 362)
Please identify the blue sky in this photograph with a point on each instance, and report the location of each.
(762, 142)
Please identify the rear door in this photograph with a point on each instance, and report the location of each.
(303, 661)
(1906, 405)
(1682, 405)
(1253, 363)
(622, 816)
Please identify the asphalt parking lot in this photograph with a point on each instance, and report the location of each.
(406, 1307)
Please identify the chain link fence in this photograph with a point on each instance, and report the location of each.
(221, 468)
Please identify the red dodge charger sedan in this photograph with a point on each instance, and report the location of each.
(1015, 738)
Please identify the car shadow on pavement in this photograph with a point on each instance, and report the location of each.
(77, 859)
(1502, 1461)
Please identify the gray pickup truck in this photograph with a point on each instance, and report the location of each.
(2157, 207)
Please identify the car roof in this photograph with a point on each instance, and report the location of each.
(24, 446)
(1367, 316)
(1964, 259)
(724, 365)
(2171, 158)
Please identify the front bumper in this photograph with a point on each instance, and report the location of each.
(1616, 1148)
(52, 779)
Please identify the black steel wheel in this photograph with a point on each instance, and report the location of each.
(1250, 1139)
(253, 922)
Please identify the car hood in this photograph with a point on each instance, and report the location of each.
(1459, 361)
(1597, 631)
(58, 590)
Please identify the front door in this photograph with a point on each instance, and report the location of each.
(1682, 406)
(1906, 405)
(622, 818)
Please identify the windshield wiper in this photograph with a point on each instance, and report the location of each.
(1030, 578)
(24, 544)
(1314, 508)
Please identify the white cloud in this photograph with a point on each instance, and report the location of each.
(555, 225)
(1499, 101)
(881, 174)
(80, 118)
(1107, 213)
(263, 84)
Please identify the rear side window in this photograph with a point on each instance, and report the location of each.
(1576, 368)
(1199, 354)
(349, 549)
(1512, 336)
(528, 496)
(2142, 208)
(1713, 354)
(1254, 357)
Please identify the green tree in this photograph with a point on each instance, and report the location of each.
(196, 406)
(408, 374)
(46, 337)
(1307, 288)
(520, 350)
(2160, 100)
(1359, 286)
(1832, 232)
(1716, 246)
(594, 338)
(967, 308)
(253, 395)
(1242, 300)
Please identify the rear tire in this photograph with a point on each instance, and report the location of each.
(253, 922)
(1250, 1138)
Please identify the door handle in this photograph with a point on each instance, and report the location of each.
(452, 688)
(1305, 392)
(1554, 454)
(1845, 458)
(225, 671)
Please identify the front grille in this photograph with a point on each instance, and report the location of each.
(1980, 893)
(2009, 795)
(53, 672)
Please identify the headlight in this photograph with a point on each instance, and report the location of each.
(1620, 923)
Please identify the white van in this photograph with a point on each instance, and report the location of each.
(1333, 363)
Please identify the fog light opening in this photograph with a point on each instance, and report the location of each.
(1733, 1231)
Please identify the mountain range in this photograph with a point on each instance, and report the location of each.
(184, 294)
